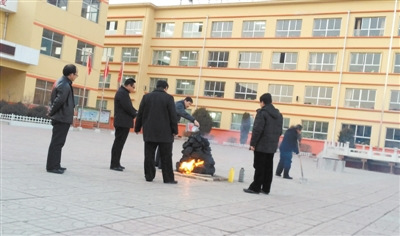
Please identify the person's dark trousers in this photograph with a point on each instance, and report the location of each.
(121, 133)
(149, 164)
(166, 161)
(285, 163)
(158, 159)
(60, 131)
(263, 165)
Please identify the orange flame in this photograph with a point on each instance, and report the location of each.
(188, 167)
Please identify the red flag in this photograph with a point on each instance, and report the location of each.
(121, 73)
(106, 70)
(89, 64)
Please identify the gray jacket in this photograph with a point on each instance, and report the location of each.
(62, 101)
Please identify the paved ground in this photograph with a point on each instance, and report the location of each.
(90, 199)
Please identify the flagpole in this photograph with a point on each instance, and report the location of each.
(84, 88)
(122, 74)
(102, 93)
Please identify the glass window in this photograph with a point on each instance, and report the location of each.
(247, 91)
(42, 92)
(111, 27)
(184, 86)
(218, 59)
(106, 83)
(249, 60)
(161, 58)
(221, 29)
(153, 83)
(216, 118)
(327, 27)
(188, 58)
(394, 104)
(369, 26)
(165, 30)
(396, 63)
(253, 29)
(133, 27)
(237, 121)
(214, 89)
(288, 28)
(90, 10)
(83, 50)
(284, 60)
(281, 92)
(320, 61)
(392, 139)
(51, 43)
(192, 29)
(183, 120)
(108, 53)
(59, 3)
(78, 95)
(125, 77)
(285, 124)
(316, 95)
(101, 103)
(362, 133)
(365, 62)
(314, 129)
(360, 98)
(130, 54)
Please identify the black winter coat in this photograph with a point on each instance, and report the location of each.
(157, 116)
(267, 129)
(124, 112)
(62, 101)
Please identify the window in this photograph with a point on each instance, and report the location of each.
(106, 83)
(183, 120)
(394, 104)
(237, 121)
(288, 28)
(153, 83)
(360, 98)
(249, 60)
(246, 91)
(221, 29)
(188, 58)
(111, 27)
(316, 95)
(192, 29)
(396, 63)
(90, 10)
(392, 139)
(59, 3)
(130, 54)
(284, 60)
(165, 30)
(362, 133)
(83, 50)
(285, 125)
(185, 87)
(133, 27)
(281, 93)
(253, 29)
(320, 61)
(161, 58)
(327, 27)
(51, 43)
(125, 77)
(314, 129)
(365, 62)
(218, 59)
(216, 118)
(108, 53)
(102, 104)
(369, 26)
(78, 96)
(214, 89)
(42, 92)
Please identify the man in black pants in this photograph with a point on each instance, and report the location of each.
(61, 112)
(124, 113)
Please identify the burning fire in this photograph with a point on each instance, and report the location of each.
(188, 167)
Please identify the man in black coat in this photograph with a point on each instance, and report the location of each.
(61, 113)
(124, 113)
(157, 116)
(267, 129)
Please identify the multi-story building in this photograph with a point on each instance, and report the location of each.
(38, 38)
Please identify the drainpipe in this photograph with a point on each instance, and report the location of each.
(387, 73)
(5, 25)
(340, 77)
(201, 64)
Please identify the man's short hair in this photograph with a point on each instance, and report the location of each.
(69, 69)
(162, 84)
(129, 81)
(299, 127)
(266, 98)
(189, 99)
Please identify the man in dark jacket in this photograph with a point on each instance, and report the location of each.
(267, 129)
(290, 144)
(157, 116)
(180, 110)
(61, 112)
(124, 113)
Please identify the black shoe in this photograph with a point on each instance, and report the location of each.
(63, 168)
(171, 182)
(116, 168)
(56, 171)
(247, 190)
(264, 192)
(122, 167)
(287, 177)
(278, 174)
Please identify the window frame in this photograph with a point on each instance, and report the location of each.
(220, 58)
(392, 141)
(221, 29)
(285, 28)
(327, 27)
(253, 28)
(287, 63)
(111, 27)
(42, 94)
(62, 4)
(165, 29)
(363, 62)
(247, 94)
(106, 83)
(322, 61)
(359, 133)
(192, 29)
(84, 52)
(53, 43)
(236, 121)
(153, 82)
(216, 118)
(354, 98)
(396, 66)
(280, 92)
(314, 129)
(133, 57)
(322, 95)
(394, 103)
(191, 58)
(185, 86)
(214, 88)
(94, 10)
(161, 54)
(362, 26)
(108, 52)
(133, 27)
(249, 60)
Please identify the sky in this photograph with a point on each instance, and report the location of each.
(178, 2)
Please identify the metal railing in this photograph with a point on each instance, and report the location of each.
(28, 119)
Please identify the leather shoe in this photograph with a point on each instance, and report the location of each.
(278, 175)
(56, 171)
(262, 191)
(247, 190)
(287, 177)
(116, 168)
(171, 182)
(122, 167)
(63, 168)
